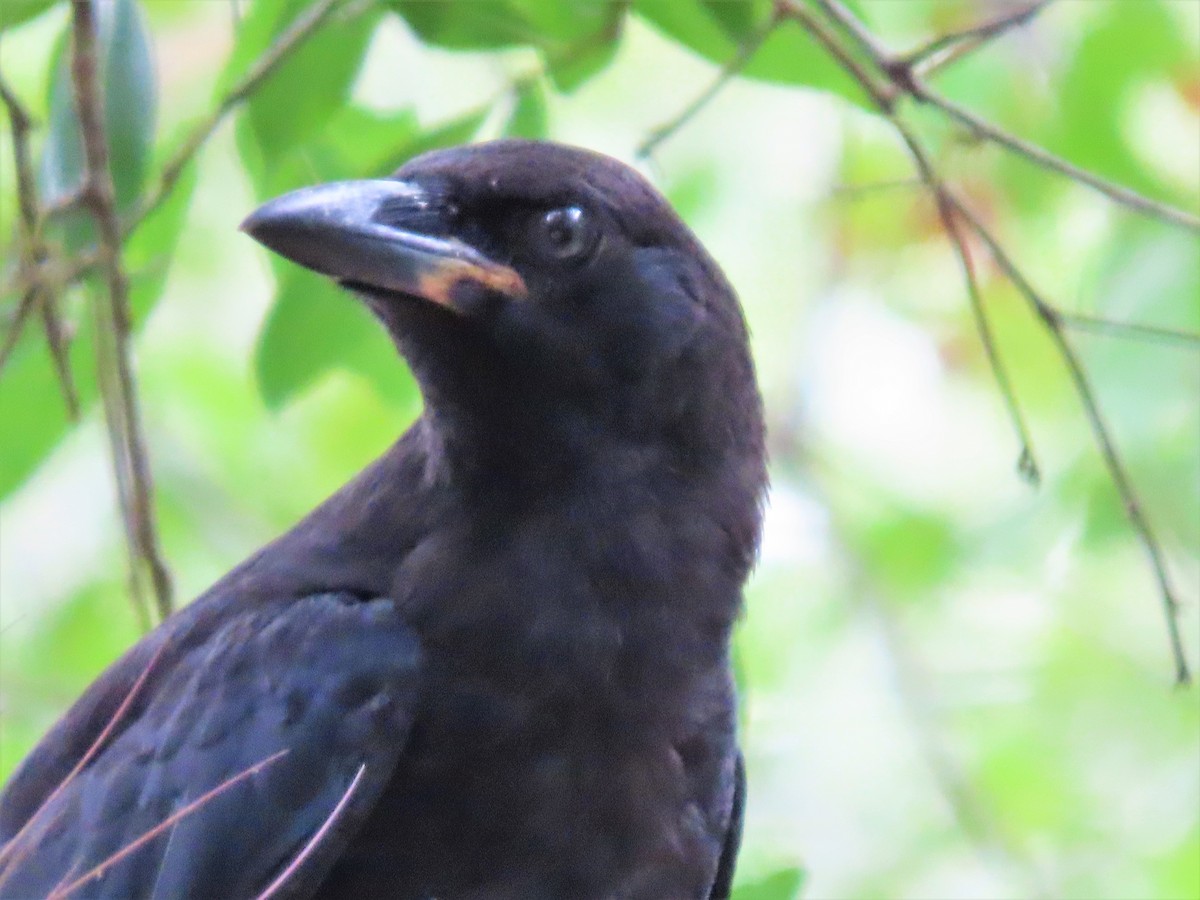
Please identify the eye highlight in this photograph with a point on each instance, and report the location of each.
(565, 233)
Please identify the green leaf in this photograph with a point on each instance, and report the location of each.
(528, 117)
(576, 38)
(782, 885)
(14, 12)
(787, 56)
(127, 84)
(486, 25)
(315, 326)
(300, 97)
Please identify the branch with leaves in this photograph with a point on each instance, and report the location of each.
(887, 78)
(46, 271)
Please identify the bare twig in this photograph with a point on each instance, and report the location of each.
(1108, 327)
(1100, 430)
(58, 340)
(299, 31)
(741, 59)
(99, 871)
(905, 80)
(934, 55)
(287, 43)
(1026, 461)
(122, 413)
(871, 189)
(33, 252)
(275, 886)
(883, 95)
(1038, 156)
(27, 304)
(21, 123)
(19, 844)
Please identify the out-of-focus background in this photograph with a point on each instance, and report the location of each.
(957, 682)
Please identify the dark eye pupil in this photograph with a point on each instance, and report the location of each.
(565, 231)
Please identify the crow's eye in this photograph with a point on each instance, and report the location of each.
(566, 233)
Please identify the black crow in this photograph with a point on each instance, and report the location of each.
(497, 663)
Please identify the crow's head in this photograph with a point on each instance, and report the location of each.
(548, 299)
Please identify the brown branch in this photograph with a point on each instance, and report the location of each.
(935, 55)
(14, 851)
(1044, 310)
(287, 43)
(299, 31)
(58, 339)
(905, 80)
(1134, 330)
(883, 95)
(33, 252)
(854, 192)
(122, 413)
(306, 851)
(99, 871)
(1027, 464)
(1100, 431)
(741, 59)
(1040, 157)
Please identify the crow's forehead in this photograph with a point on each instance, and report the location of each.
(536, 172)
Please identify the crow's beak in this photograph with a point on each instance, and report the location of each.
(381, 236)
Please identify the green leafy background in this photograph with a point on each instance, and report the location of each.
(955, 684)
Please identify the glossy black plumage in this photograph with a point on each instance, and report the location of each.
(497, 660)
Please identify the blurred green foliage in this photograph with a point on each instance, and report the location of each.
(955, 685)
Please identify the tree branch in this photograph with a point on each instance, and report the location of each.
(905, 80)
(299, 31)
(118, 388)
(1040, 157)
(33, 253)
(934, 55)
(1098, 325)
(744, 54)
(950, 207)
(1100, 431)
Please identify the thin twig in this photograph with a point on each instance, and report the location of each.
(300, 30)
(1043, 309)
(21, 123)
(27, 304)
(1027, 463)
(274, 887)
(741, 59)
(33, 252)
(287, 43)
(883, 95)
(1100, 430)
(122, 412)
(58, 340)
(905, 80)
(1080, 322)
(1038, 156)
(13, 851)
(933, 55)
(853, 192)
(99, 871)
